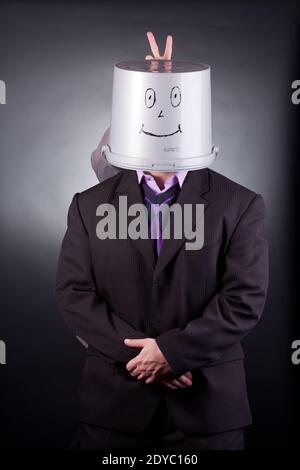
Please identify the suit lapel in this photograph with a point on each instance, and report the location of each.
(195, 185)
(128, 186)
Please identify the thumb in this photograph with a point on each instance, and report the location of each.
(135, 343)
(188, 374)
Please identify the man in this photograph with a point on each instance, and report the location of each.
(163, 324)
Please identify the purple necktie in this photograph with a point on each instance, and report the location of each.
(151, 199)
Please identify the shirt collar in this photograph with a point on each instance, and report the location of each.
(179, 174)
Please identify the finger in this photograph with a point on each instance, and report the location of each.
(144, 375)
(134, 372)
(169, 385)
(150, 380)
(186, 381)
(178, 383)
(168, 49)
(132, 364)
(153, 45)
(188, 374)
(135, 343)
(149, 57)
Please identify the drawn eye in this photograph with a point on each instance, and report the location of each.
(150, 97)
(175, 96)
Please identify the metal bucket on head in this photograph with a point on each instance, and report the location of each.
(161, 116)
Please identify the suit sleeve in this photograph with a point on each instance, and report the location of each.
(84, 310)
(235, 309)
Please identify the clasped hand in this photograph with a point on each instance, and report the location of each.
(150, 365)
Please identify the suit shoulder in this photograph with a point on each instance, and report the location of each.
(99, 191)
(221, 184)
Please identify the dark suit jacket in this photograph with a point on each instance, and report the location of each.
(198, 305)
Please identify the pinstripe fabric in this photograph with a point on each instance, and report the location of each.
(198, 305)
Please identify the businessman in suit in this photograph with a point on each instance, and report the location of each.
(185, 311)
(164, 324)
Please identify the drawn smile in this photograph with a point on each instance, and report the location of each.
(160, 135)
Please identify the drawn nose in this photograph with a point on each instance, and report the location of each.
(161, 114)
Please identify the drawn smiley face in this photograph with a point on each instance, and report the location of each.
(150, 102)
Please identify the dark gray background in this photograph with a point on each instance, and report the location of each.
(57, 61)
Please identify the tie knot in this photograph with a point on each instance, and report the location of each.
(167, 197)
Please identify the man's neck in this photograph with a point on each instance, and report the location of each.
(160, 177)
